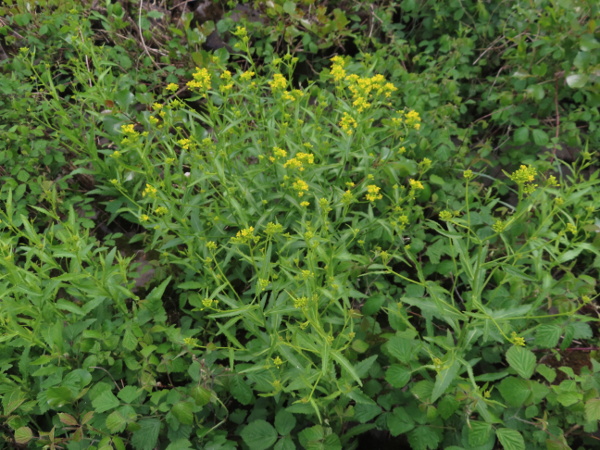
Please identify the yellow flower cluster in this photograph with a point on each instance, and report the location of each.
(149, 191)
(525, 176)
(279, 83)
(299, 160)
(245, 76)
(373, 193)
(348, 124)
(415, 185)
(172, 87)
(245, 236)
(293, 95)
(201, 81)
(273, 228)
(337, 69)
(300, 302)
(517, 340)
(412, 119)
(300, 186)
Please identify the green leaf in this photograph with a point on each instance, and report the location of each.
(180, 444)
(577, 81)
(346, 366)
(56, 397)
(423, 438)
(115, 422)
(510, 439)
(547, 372)
(540, 137)
(399, 422)
(289, 7)
(397, 375)
(201, 395)
(443, 380)
(592, 410)
(284, 422)
(105, 401)
(447, 406)
(130, 342)
(146, 437)
(521, 135)
(547, 336)
(479, 433)
(183, 412)
(363, 413)
(515, 391)
(401, 348)
(23, 435)
(240, 390)
(285, 444)
(522, 360)
(129, 394)
(12, 400)
(259, 435)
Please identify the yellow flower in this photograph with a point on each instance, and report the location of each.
(414, 184)
(305, 204)
(373, 193)
(172, 87)
(201, 81)
(278, 83)
(161, 211)
(273, 228)
(516, 340)
(348, 123)
(277, 361)
(149, 191)
(300, 186)
(245, 76)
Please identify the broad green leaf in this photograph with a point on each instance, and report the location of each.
(183, 412)
(67, 419)
(397, 375)
(540, 137)
(285, 443)
(259, 435)
(12, 400)
(510, 439)
(547, 372)
(115, 422)
(577, 81)
(447, 406)
(284, 422)
(401, 348)
(105, 401)
(521, 135)
(129, 394)
(240, 390)
(522, 360)
(23, 435)
(146, 437)
(57, 397)
(592, 410)
(364, 413)
(515, 391)
(424, 438)
(399, 422)
(180, 444)
(547, 336)
(443, 380)
(479, 432)
(201, 395)
(130, 342)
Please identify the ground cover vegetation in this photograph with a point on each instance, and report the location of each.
(318, 225)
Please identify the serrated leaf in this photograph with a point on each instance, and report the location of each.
(240, 390)
(180, 444)
(592, 410)
(521, 135)
(23, 435)
(401, 348)
(424, 438)
(510, 439)
(284, 422)
(515, 391)
(443, 380)
(67, 419)
(183, 412)
(540, 137)
(57, 397)
(115, 422)
(547, 336)
(479, 432)
(522, 360)
(259, 435)
(105, 401)
(397, 375)
(285, 443)
(129, 394)
(364, 413)
(130, 342)
(146, 437)
(399, 422)
(547, 372)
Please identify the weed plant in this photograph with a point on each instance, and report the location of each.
(228, 257)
